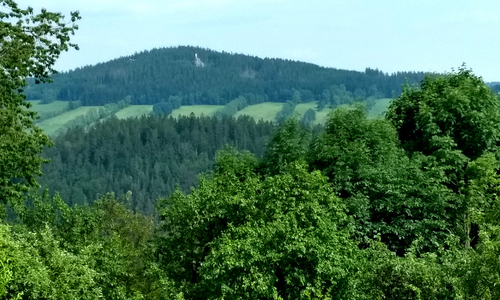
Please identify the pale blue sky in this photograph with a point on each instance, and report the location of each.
(392, 35)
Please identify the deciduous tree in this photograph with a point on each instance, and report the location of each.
(30, 44)
(457, 109)
(240, 236)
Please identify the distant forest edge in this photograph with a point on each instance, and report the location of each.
(171, 77)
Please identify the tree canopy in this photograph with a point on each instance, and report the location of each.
(454, 120)
(30, 45)
(457, 110)
(239, 236)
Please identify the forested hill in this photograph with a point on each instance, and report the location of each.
(152, 76)
(148, 156)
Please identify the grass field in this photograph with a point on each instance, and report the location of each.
(379, 108)
(266, 111)
(301, 108)
(56, 106)
(322, 115)
(134, 111)
(50, 126)
(206, 110)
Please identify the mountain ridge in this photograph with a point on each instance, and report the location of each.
(152, 76)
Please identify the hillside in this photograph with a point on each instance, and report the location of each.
(148, 156)
(150, 77)
(56, 118)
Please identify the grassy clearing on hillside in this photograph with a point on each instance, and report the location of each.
(301, 108)
(266, 111)
(379, 108)
(198, 110)
(322, 115)
(56, 106)
(134, 111)
(50, 126)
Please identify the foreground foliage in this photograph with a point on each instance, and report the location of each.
(89, 252)
(349, 214)
(241, 236)
(30, 45)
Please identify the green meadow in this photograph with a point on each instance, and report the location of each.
(300, 109)
(322, 115)
(56, 106)
(379, 108)
(50, 126)
(134, 111)
(198, 110)
(265, 111)
(268, 110)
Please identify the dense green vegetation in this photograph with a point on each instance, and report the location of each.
(161, 75)
(31, 44)
(354, 211)
(148, 156)
(400, 207)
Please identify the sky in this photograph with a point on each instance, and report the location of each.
(391, 35)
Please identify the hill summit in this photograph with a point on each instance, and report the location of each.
(203, 76)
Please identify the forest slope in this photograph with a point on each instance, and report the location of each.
(148, 156)
(150, 77)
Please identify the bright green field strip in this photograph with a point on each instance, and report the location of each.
(322, 115)
(55, 106)
(379, 108)
(134, 111)
(266, 111)
(301, 108)
(50, 126)
(206, 110)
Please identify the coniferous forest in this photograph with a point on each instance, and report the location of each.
(147, 156)
(403, 206)
(160, 75)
